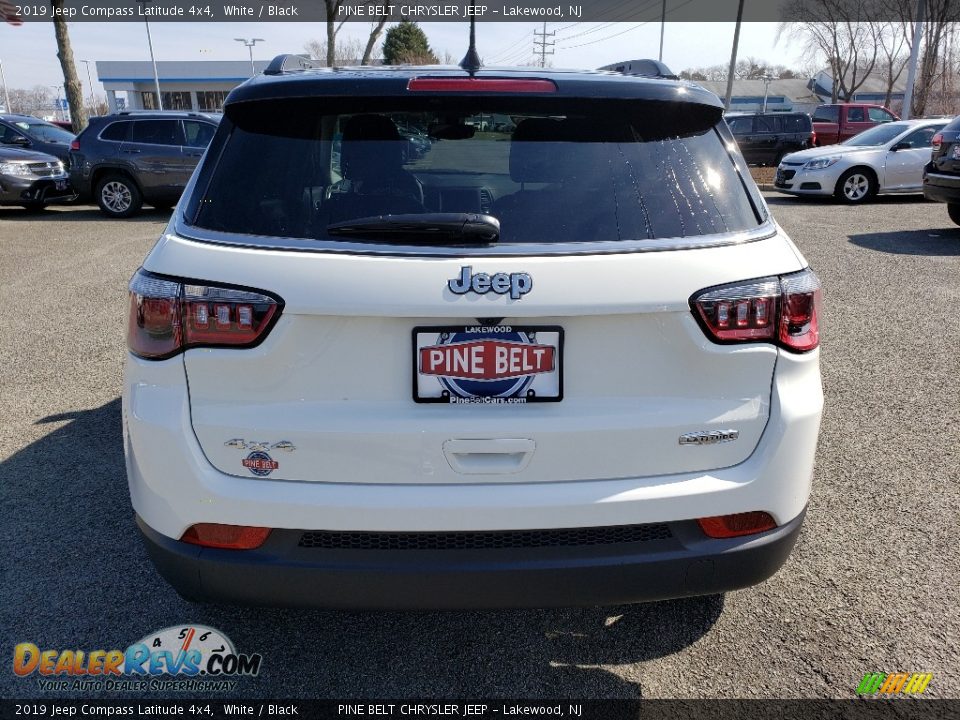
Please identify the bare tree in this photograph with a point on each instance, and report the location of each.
(837, 36)
(938, 29)
(346, 52)
(376, 29)
(338, 13)
(894, 55)
(71, 83)
(746, 69)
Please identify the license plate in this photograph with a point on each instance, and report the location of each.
(488, 365)
(780, 177)
(60, 184)
(955, 152)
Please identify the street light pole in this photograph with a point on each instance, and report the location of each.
(56, 111)
(767, 79)
(733, 58)
(89, 82)
(250, 43)
(156, 76)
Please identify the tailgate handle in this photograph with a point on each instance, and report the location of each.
(495, 456)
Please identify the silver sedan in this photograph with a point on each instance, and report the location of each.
(888, 158)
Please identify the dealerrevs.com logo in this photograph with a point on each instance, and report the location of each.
(184, 657)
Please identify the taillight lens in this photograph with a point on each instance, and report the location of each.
(936, 142)
(75, 145)
(784, 310)
(227, 537)
(169, 316)
(813, 138)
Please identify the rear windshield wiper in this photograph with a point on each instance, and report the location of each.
(423, 228)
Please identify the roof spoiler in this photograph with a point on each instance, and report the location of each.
(643, 68)
(289, 62)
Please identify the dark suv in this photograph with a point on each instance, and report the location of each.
(30, 133)
(941, 177)
(764, 138)
(122, 161)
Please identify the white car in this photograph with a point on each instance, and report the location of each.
(572, 361)
(888, 158)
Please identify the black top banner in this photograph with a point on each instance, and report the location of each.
(569, 11)
(486, 709)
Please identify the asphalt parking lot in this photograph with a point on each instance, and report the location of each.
(871, 586)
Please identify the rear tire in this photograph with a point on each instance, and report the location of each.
(856, 186)
(118, 196)
(953, 210)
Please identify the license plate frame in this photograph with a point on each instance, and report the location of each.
(541, 385)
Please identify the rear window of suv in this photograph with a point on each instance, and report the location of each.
(548, 171)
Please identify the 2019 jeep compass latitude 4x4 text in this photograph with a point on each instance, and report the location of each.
(560, 356)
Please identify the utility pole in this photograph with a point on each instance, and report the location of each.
(733, 57)
(543, 43)
(6, 93)
(250, 44)
(914, 57)
(663, 22)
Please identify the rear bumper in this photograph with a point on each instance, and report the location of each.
(281, 573)
(941, 188)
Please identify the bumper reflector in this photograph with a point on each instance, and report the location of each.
(229, 537)
(728, 526)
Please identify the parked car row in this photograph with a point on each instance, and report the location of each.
(125, 160)
(941, 176)
(888, 158)
(119, 161)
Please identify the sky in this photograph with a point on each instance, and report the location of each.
(28, 52)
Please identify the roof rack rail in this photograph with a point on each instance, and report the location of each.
(289, 62)
(643, 67)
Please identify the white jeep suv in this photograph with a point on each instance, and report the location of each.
(419, 337)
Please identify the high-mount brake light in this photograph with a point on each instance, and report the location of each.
(783, 310)
(474, 84)
(168, 316)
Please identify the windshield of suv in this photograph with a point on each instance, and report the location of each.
(583, 171)
(877, 136)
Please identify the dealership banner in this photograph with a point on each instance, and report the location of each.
(486, 709)
(600, 11)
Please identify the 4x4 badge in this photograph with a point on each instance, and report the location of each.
(517, 284)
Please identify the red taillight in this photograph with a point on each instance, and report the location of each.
(728, 526)
(229, 537)
(471, 85)
(167, 316)
(75, 145)
(936, 142)
(813, 138)
(784, 310)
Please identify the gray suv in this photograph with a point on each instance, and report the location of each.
(125, 160)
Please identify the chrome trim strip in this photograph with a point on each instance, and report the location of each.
(762, 232)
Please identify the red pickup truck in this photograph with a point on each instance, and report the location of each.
(836, 123)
